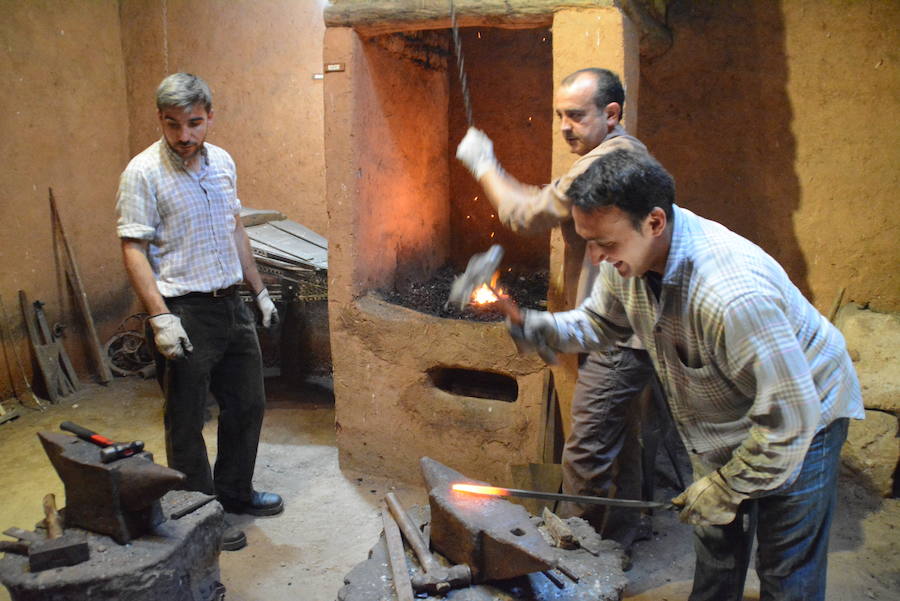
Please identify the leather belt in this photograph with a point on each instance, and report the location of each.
(220, 293)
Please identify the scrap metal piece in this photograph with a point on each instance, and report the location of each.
(494, 537)
(120, 499)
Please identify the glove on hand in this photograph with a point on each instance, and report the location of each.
(534, 333)
(171, 340)
(267, 308)
(476, 152)
(709, 502)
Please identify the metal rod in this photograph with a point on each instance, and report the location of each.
(194, 506)
(463, 82)
(554, 579)
(495, 491)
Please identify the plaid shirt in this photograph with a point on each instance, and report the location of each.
(188, 217)
(751, 370)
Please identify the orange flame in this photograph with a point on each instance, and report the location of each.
(481, 490)
(484, 295)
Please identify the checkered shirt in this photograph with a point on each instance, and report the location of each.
(188, 217)
(751, 370)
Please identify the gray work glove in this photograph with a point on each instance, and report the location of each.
(535, 334)
(267, 308)
(476, 152)
(171, 340)
(709, 502)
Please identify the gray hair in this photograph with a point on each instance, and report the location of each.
(183, 90)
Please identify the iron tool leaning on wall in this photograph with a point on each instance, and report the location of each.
(186, 253)
(605, 412)
(760, 384)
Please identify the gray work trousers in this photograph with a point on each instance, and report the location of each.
(602, 456)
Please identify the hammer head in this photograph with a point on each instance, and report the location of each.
(479, 271)
(66, 550)
(442, 579)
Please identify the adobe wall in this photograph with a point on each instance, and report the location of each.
(66, 127)
(259, 59)
(779, 120)
(79, 84)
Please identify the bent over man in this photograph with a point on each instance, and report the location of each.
(759, 383)
(186, 253)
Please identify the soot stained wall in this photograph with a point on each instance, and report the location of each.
(509, 72)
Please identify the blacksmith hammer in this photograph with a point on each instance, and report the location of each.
(58, 549)
(110, 450)
(437, 578)
(479, 271)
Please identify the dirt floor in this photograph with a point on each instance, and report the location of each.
(332, 518)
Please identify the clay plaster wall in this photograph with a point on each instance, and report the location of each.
(258, 58)
(778, 119)
(79, 81)
(387, 166)
(65, 127)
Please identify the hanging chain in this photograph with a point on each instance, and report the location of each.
(460, 63)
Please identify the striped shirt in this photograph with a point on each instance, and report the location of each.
(188, 217)
(751, 370)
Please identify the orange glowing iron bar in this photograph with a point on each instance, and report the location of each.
(496, 491)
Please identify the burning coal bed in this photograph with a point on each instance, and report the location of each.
(526, 289)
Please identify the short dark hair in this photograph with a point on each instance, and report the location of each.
(609, 86)
(631, 180)
(183, 90)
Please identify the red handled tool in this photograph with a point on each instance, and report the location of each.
(110, 449)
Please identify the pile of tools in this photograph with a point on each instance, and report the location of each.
(481, 547)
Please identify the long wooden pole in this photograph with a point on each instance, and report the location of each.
(81, 298)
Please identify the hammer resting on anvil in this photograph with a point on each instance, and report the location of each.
(479, 271)
(59, 549)
(437, 578)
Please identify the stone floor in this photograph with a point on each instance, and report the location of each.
(332, 517)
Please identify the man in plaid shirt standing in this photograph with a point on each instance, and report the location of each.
(760, 384)
(186, 254)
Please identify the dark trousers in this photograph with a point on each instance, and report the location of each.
(603, 450)
(791, 526)
(226, 361)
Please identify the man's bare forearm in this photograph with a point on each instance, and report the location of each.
(140, 274)
(248, 263)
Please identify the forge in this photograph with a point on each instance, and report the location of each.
(403, 211)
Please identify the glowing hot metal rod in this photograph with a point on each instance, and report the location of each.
(495, 491)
